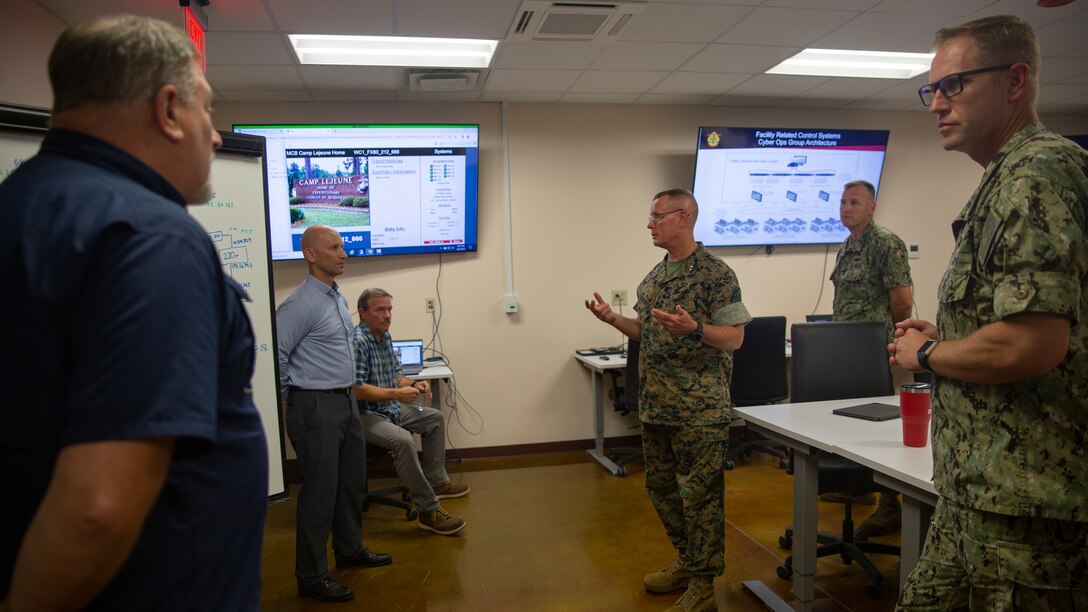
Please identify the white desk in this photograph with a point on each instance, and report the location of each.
(435, 372)
(598, 364)
(809, 429)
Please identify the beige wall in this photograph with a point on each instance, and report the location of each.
(581, 178)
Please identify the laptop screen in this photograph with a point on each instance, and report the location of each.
(409, 352)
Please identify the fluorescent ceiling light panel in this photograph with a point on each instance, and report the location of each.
(393, 51)
(864, 64)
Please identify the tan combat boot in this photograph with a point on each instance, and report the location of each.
(698, 598)
(673, 577)
(886, 519)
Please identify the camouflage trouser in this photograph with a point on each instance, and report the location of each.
(975, 560)
(684, 479)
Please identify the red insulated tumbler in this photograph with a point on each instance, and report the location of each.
(915, 411)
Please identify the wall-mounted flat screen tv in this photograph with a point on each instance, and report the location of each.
(771, 186)
(388, 189)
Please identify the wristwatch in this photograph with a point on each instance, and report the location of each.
(924, 351)
(697, 335)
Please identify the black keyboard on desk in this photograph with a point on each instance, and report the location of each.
(601, 350)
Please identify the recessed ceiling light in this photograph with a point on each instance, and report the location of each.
(393, 51)
(863, 64)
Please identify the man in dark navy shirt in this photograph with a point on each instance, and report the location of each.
(132, 458)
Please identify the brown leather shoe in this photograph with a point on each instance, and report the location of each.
(440, 522)
(450, 489)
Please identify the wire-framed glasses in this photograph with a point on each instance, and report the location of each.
(952, 85)
(655, 217)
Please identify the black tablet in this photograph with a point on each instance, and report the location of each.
(870, 412)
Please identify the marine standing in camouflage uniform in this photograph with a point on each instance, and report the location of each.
(872, 283)
(690, 319)
(1010, 441)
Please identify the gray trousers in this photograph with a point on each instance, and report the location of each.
(327, 434)
(419, 478)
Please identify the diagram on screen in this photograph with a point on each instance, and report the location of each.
(781, 192)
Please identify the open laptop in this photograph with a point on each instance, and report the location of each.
(410, 354)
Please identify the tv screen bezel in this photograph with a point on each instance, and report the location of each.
(771, 242)
(472, 190)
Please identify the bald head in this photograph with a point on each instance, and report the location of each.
(324, 252)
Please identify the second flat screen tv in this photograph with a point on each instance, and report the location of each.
(388, 189)
(771, 186)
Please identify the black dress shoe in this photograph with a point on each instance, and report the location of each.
(325, 589)
(365, 559)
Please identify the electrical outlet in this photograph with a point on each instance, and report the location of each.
(428, 305)
(619, 297)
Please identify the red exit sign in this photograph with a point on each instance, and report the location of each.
(197, 31)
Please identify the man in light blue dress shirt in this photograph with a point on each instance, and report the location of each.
(313, 327)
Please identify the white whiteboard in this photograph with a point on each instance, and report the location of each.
(237, 223)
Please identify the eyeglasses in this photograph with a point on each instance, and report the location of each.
(657, 217)
(952, 85)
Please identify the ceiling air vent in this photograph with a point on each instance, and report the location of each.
(443, 80)
(586, 21)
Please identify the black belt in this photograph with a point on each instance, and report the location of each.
(337, 391)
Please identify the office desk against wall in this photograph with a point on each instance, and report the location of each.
(438, 373)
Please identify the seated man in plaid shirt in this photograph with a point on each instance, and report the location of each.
(390, 418)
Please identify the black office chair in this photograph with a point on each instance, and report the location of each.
(627, 401)
(396, 496)
(840, 360)
(759, 377)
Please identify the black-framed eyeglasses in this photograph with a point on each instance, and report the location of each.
(952, 85)
(656, 218)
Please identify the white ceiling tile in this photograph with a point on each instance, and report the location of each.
(622, 55)
(266, 95)
(698, 83)
(746, 59)
(1061, 38)
(806, 102)
(599, 98)
(739, 2)
(438, 96)
(682, 22)
(678, 99)
(350, 77)
(1062, 69)
(617, 81)
(959, 8)
(551, 55)
(1032, 12)
(352, 95)
(359, 17)
(248, 48)
(850, 88)
(254, 77)
(489, 19)
(840, 5)
(881, 31)
(238, 16)
(868, 104)
(1061, 93)
(753, 101)
(1079, 53)
(776, 85)
(785, 26)
(531, 80)
(496, 96)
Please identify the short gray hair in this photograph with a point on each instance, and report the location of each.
(863, 184)
(119, 61)
(370, 292)
(680, 194)
(1002, 39)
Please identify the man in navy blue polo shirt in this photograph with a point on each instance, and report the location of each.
(132, 458)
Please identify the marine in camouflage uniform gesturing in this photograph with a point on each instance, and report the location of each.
(690, 319)
(1010, 407)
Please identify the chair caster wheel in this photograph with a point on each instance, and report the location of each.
(411, 515)
(785, 573)
(872, 589)
(785, 542)
(729, 464)
(622, 471)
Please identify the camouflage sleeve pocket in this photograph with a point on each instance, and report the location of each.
(1051, 292)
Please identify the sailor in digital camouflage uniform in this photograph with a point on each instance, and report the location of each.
(1010, 409)
(690, 319)
(872, 283)
(871, 275)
